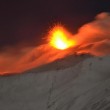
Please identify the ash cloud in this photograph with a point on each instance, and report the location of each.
(35, 57)
(96, 34)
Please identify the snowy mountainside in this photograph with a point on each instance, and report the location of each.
(73, 83)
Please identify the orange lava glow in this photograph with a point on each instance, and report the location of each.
(60, 38)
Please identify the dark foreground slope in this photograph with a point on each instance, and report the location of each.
(74, 83)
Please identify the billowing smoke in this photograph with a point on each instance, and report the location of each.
(92, 38)
(11, 64)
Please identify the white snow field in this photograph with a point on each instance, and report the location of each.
(73, 83)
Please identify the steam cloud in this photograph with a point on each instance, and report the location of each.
(93, 38)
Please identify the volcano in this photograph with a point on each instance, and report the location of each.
(70, 72)
(76, 82)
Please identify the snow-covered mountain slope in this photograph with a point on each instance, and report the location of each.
(73, 83)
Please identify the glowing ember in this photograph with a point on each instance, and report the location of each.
(60, 38)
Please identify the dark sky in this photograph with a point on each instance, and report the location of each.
(26, 23)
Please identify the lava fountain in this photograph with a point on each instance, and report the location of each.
(60, 38)
(59, 42)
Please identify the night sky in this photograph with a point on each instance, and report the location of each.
(26, 23)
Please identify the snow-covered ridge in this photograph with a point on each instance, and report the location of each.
(61, 63)
(62, 85)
